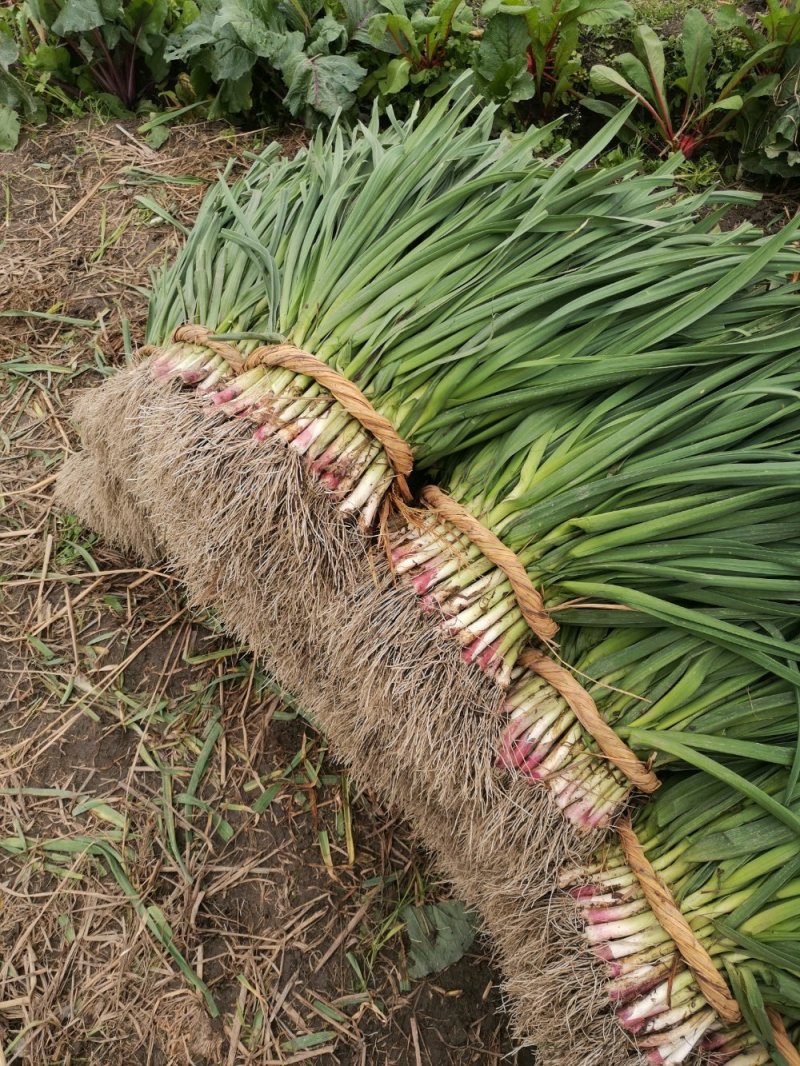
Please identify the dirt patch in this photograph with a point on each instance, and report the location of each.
(187, 877)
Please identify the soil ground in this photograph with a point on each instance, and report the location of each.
(185, 876)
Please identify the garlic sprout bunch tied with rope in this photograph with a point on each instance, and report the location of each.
(355, 304)
(728, 983)
(662, 691)
(417, 264)
(667, 510)
(528, 488)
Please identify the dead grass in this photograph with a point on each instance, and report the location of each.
(185, 876)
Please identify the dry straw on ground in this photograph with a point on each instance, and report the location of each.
(159, 806)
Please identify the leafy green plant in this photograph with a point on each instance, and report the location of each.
(426, 43)
(15, 97)
(439, 934)
(691, 109)
(769, 125)
(253, 52)
(779, 26)
(83, 46)
(770, 129)
(529, 48)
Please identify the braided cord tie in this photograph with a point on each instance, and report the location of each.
(781, 1038)
(352, 399)
(526, 594)
(189, 334)
(709, 980)
(585, 710)
(531, 604)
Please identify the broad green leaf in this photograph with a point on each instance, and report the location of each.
(357, 18)
(730, 103)
(506, 7)
(729, 17)
(325, 83)
(188, 13)
(249, 19)
(636, 73)
(147, 16)
(422, 24)
(604, 12)
(512, 82)
(234, 97)
(463, 20)
(607, 80)
(696, 42)
(326, 32)
(651, 52)
(8, 50)
(439, 934)
(396, 77)
(198, 35)
(78, 16)
(113, 10)
(402, 28)
(112, 35)
(377, 34)
(286, 50)
(230, 58)
(157, 136)
(505, 39)
(9, 128)
(52, 57)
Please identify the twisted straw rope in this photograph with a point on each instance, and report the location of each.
(535, 614)
(527, 595)
(585, 710)
(352, 399)
(781, 1038)
(709, 980)
(189, 334)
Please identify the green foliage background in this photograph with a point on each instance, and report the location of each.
(726, 83)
